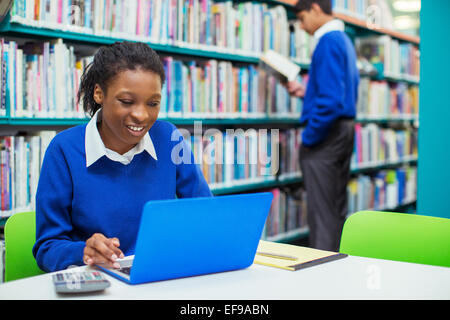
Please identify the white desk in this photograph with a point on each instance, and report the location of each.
(348, 278)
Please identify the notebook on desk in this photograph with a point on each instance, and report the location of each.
(291, 257)
(189, 237)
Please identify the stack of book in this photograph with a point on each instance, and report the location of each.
(287, 213)
(32, 77)
(383, 100)
(21, 160)
(376, 146)
(386, 190)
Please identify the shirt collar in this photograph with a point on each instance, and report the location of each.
(333, 25)
(95, 148)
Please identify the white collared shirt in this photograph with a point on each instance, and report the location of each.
(333, 25)
(95, 148)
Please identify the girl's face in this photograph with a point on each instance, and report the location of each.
(131, 105)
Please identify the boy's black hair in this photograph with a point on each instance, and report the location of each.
(303, 5)
(109, 61)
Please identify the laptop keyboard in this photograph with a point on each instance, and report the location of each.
(125, 270)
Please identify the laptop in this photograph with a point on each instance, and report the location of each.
(194, 236)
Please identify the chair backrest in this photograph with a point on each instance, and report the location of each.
(20, 236)
(397, 236)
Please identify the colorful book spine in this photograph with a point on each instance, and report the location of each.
(354, 8)
(20, 163)
(378, 146)
(215, 89)
(287, 213)
(31, 82)
(237, 156)
(384, 100)
(3, 72)
(301, 43)
(289, 144)
(196, 23)
(385, 190)
(398, 60)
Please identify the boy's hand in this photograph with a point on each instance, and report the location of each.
(296, 89)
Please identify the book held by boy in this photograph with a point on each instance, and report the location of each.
(279, 66)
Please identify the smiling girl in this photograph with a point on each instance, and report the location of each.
(96, 178)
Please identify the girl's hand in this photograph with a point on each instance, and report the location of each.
(102, 250)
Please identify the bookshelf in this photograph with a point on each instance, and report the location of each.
(201, 51)
(22, 28)
(265, 183)
(351, 20)
(65, 122)
(380, 165)
(362, 26)
(275, 121)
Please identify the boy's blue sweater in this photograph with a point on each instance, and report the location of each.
(332, 89)
(74, 201)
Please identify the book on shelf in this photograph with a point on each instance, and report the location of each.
(201, 24)
(301, 43)
(353, 8)
(287, 213)
(219, 89)
(374, 145)
(32, 86)
(384, 190)
(194, 89)
(21, 160)
(228, 157)
(384, 100)
(289, 144)
(398, 59)
(3, 77)
(279, 66)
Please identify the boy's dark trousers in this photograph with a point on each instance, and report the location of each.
(326, 172)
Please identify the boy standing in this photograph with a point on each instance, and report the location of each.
(328, 111)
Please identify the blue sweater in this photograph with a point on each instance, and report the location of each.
(74, 201)
(332, 89)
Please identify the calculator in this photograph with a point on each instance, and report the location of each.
(79, 281)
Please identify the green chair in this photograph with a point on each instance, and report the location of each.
(397, 236)
(20, 235)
